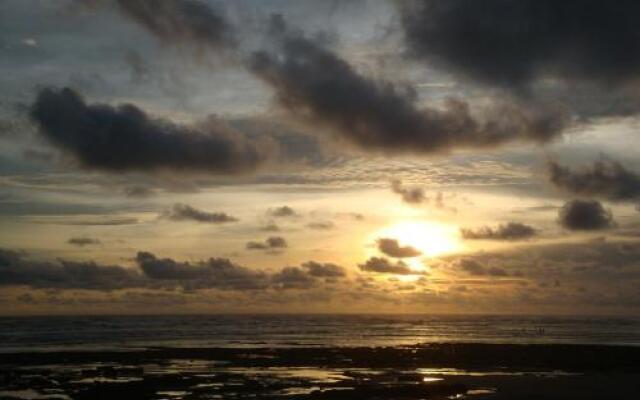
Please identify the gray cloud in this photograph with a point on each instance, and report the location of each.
(321, 225)
(138, 192)
(270, 227)
(306, 276)
(293, 278)
(584, 46)
(392, 248)
(83, 241)
(315, 84)
(324, 270)
(184, 21)
(284, 211)
(16, 269)
(125, 138)
(152, 272)
(512, 42)
(584, 215)
(184, 212)
(604, 179)
(409, 195)
(106, 221)
(271, 243)
(508, 231)
(384, 266)
(217, 273)
(473, 267)
(600, 273)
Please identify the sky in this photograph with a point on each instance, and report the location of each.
(343, 156)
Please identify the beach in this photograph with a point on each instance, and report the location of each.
(436, 371)
(193, 357)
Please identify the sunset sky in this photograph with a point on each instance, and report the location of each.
(442, 156)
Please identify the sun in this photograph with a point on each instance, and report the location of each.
(430, 238)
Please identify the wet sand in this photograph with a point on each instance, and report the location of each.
(444, 371)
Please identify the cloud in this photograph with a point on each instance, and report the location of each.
(184, 212)
(324, 270)
(217, 273)
(83, 241)
(270, 227)
(306, 276)
(138, 192)
(284, 211)
(105, 221)
(508, 231)
(409, 195)
(184, 21)
(507, 42)
(321, 225)
(16, 270)
(392, 248)
(584, 215)
(582, 47)
(271, 243)
(384, 266)
(293, 278)
(473, 267)
(589, 272)
(125, 138)
(316, 85)
(604, 179)
(153, 272)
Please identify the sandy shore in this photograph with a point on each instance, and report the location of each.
(444, 371)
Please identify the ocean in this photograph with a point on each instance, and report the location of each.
(54, 333)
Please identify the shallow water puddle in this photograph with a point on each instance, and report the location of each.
(30, 394)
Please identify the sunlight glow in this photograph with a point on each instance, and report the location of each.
(432, 239)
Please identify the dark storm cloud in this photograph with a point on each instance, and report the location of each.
(384, 266)
(392, 248)
(184, 212)
(584, 215)
(508, 231)
(294, 146)
(315, 84)
(409, 195)
(217, 273)
(184, 21)
(284, 211)
(16, 269)
(125, 138)
(38, 156)
(605, 179)
(515, 42)
(324, 270)
(83, 241)
(271, 243)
